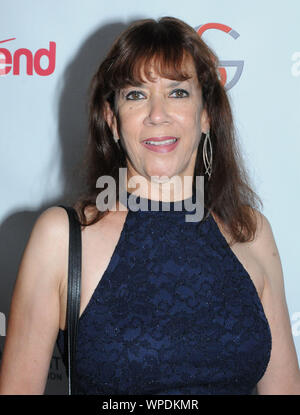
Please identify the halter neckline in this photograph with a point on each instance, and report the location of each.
(136, 203)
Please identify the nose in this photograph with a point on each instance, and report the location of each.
(157, 111)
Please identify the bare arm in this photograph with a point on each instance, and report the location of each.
(35, 307)
(282, 375)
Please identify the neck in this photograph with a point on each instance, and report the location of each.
(169, 191)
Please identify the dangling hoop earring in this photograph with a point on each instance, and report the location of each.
(207, 159)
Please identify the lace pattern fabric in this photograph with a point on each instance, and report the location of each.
(175, 312)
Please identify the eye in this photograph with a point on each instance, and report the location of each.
(181, 93)
(134, 94)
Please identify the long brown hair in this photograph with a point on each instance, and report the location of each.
(167, 42)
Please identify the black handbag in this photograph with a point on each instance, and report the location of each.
(74, 288)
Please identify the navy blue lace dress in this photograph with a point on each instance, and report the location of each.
(175, 312)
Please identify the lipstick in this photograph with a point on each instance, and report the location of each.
(161, 144)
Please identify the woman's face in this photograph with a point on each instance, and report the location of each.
(163, 108)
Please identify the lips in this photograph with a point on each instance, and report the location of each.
(167, 137)
(161, 148)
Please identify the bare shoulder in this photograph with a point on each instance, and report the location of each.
(53, 221)
(263, 228)
(263, 234)
(49, 238)
(264, 250)
(263, 244)
(53, 225)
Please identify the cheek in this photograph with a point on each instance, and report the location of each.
(130, 125)
(190, 118)
(130, 120)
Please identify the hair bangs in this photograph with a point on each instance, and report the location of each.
(170, 64)
(146, 65)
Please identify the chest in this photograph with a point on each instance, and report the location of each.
(99, 243)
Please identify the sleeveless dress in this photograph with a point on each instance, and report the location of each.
(175, 312)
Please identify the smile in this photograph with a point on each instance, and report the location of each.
(162, 144)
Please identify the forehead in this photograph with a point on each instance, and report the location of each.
(149, 67)
(154, 72)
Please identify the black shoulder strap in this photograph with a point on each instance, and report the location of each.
(74, 287)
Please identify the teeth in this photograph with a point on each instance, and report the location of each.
(160, 143)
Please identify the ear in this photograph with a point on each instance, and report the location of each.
(205, 124)
(110, 118)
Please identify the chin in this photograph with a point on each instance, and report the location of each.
(161, 170)
(161, 179)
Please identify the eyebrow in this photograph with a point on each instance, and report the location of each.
(175, 83)
(171, 85)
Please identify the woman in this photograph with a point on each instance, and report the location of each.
(167, 306)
